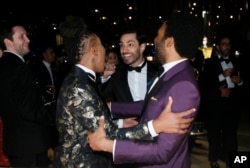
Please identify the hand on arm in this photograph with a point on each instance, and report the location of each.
(129, 122)
(98, 140)
(176, 122)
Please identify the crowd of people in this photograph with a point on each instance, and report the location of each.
(115, 108)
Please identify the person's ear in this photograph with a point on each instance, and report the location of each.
(7, 42)
(93, 53)
(169, 41)
(142, 47)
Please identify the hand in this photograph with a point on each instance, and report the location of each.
(109, 70)
(236, 78)
(225, 92)
(228, 72)
(129, 122)
(169, 122)
(98, 141)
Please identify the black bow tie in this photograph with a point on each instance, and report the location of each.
(137, 69)
(223, 59)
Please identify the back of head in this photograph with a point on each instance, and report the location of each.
(70, 29)
(187, 32)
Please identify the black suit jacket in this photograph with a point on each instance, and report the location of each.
(47, 89)
(24, 119)
(117, 87)
(210, 79)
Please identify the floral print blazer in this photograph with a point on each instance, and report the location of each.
(79, 107)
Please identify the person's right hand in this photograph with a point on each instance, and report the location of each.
(228, 72)
(225, 92)
(109, 70)
(98, 140)
(170, 122)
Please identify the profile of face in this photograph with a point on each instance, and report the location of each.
(130, 49)
(20, 42)
(160, 43)
(100, 55)
(49, 55)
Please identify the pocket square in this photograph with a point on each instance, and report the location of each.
(153, 98)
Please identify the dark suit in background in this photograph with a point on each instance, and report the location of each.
(25, 120)
(48, 88)
(222, 112)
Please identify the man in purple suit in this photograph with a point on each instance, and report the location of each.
(177, 40)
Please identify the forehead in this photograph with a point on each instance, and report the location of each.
(128, 37)
(225, 39)
(19, 30)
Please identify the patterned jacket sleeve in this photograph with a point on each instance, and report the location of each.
(138, 132)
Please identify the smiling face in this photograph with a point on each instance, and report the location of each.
(131, 50)
(20, 41)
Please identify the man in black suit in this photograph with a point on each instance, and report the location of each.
(132, 79)
(46, 81)
(25, 120)
(221, 87)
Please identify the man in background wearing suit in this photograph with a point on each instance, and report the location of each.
(25, 119)
(45, 74)
(221, 87)
(133, 78)
(177, 40)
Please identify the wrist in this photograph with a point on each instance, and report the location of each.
(156, 126)
(107, 145)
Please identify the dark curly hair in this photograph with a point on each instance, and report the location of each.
(187, 32)
(74, 32)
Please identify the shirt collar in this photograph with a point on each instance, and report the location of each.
(19, 56)
(87, 70)
(169, 65)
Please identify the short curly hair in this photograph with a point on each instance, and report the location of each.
(187, 32)
(75, 36)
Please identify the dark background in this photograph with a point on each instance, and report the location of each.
(42, 17)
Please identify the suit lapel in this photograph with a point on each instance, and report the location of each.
(163, 81)
(124, 83)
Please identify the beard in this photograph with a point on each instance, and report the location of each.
(159, 52)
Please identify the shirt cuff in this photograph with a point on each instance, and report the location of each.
(221, 77)
(103, 80)
(151, 129)
(120, 123)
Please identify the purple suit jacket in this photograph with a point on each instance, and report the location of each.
(167, 150)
